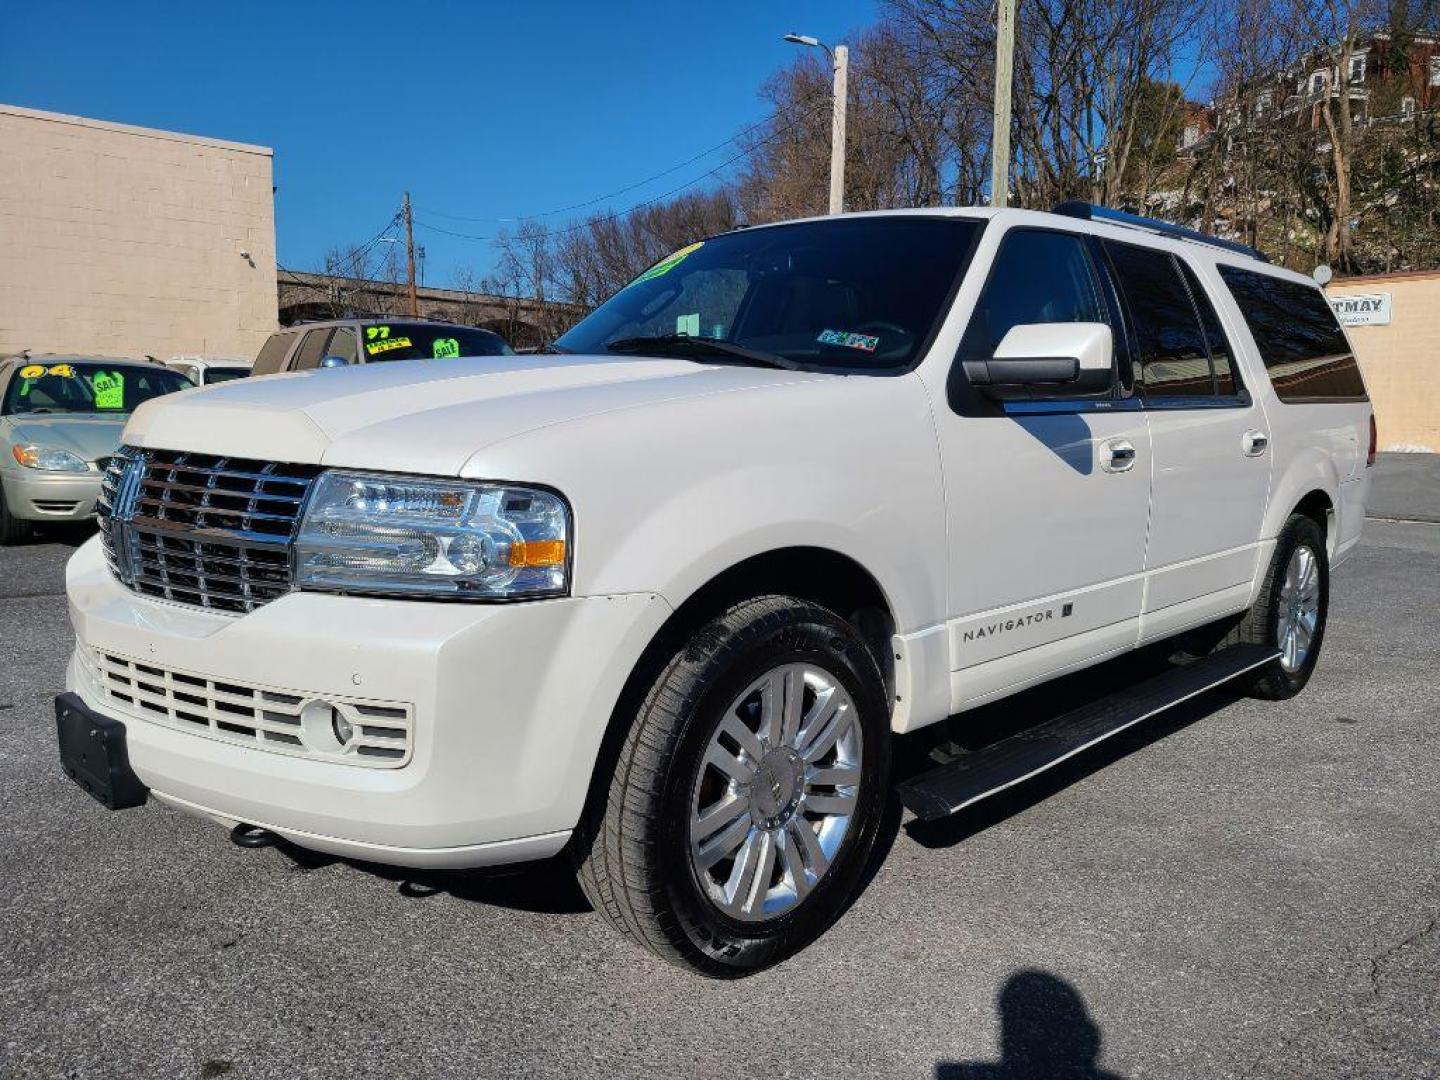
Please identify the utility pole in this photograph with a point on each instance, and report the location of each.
(410, 256)
(1004, 79)
(837, 131)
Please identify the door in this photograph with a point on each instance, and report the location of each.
(1045, 500)
(1209, 441)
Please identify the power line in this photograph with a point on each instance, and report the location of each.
(640, 205)
(621, 191)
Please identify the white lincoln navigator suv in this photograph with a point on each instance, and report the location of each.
(662, 599)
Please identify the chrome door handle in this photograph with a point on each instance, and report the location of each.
(1255, 443)
(1117, 455)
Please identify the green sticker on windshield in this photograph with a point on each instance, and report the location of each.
(445, 347)
(109, 390)
(665, 265)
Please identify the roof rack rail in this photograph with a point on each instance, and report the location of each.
(1090, 212)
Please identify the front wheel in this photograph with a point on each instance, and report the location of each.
(12, 529)
(749, 791)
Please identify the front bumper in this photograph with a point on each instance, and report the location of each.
(34, 495)
(508, 703)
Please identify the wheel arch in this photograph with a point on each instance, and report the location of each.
(1319, 507)
(820, 575)
(1310, 485)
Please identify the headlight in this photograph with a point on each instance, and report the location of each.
(48, 458)
(365, 532)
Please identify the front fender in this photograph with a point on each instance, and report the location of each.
(667, 496)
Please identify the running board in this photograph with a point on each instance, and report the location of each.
(1013, 760)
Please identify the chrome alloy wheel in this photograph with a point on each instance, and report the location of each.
(1299, 609)
(775, 793)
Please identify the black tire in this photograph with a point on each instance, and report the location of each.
(633, 852)
(12, 529)
(1260, 625)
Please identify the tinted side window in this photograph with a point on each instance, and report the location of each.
(272, 354)
(1221, 358)
(1038, 277)
(1174, 360)
(1301, 343)
(344, 345)
(312, 350)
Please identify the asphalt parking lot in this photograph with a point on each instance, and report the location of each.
(1239, 889)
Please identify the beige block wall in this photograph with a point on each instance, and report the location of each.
(123, 241)
(1401, 361)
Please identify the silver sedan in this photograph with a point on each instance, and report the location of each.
(61, 417)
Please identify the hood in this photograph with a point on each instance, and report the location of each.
(422, 416)
(88, 436)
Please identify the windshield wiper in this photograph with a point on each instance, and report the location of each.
(688, 346)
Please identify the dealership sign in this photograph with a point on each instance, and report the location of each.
(1370, 309)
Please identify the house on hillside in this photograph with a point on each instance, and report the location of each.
(1384, 81)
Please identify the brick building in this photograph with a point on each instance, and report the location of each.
(123, 241)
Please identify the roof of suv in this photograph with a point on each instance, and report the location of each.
(1099, 218)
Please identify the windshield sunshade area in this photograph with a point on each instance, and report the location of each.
(856, 293)
(83, 386)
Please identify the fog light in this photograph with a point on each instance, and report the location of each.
(324, 728)
(343, 730)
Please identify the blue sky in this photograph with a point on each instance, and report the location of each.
(484, 109)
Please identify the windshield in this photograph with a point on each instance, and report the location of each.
(224, 374)
(416, 341)
(862, 293)
(84, 386)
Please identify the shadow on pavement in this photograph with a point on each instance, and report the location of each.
(69, 535)
(547, 887)
(1045, 1032)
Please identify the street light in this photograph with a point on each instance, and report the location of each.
(839, 64)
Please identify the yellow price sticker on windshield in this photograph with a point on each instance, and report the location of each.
(64, 371)
(34, 371)
(386, 344)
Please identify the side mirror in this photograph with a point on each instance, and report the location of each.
(334, 362)
(1066, 360)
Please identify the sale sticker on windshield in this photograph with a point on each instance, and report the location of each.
(109, 390)
(868, 342)
(386, 345)
(665, 265)
(445, 347)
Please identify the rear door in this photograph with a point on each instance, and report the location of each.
(1209, 442)
(311, 351)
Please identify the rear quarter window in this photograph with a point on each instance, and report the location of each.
(1300, 342)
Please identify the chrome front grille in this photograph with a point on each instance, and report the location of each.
(377, 734)
(200, 529)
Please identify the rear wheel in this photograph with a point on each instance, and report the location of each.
(12, 529)
(1289, 612)
(748, 793)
